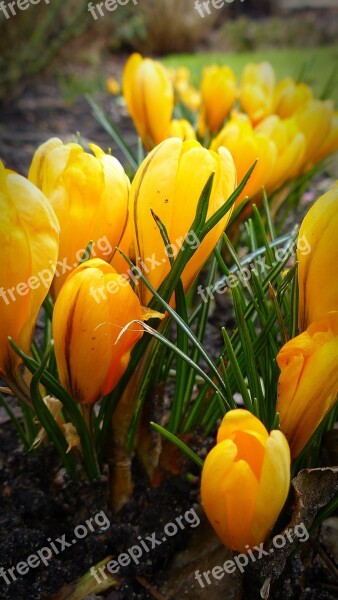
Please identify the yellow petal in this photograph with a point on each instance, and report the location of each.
(308, 383)
(274, 486)
(319, 230)
(228, 492)
(29, 230)
(93, 307)
(90, 197)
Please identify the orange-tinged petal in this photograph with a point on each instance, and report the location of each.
(239, 506)
(245, 480)
(93, 307)
(240, 420)
(229, 512)
(249, 435)
(308, 383)
(219, 492)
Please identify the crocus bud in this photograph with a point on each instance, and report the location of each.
(308, 383)
(90, 197)
(170, 182)
(257, 88)
(190, 97)
(245, 480)
(246, 146)
(330, 144)
(93, 307)
(290, 145)
(315, 122)
(181, 128)
(319, 262)
(290, 97)
(149, 96)
(29, 234)
(219, 91)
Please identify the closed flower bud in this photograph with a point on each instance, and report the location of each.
(190, 97)
(290, 97)
(90, 197)
(290, 145)
(330, 144)
(219, 92)
(257, 87)
(315, 122)
(181, 128)
(29, 234)
(308, 383)
(245, 480)
(317, 268)
(149, 96)
(246, 146)
(93, 307)
(170, 182)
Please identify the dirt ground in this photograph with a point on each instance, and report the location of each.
(38, 110)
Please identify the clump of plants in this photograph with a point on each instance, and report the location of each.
(125, 269)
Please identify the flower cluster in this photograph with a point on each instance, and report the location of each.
(77, 197)
(279, 123)
(95, 348)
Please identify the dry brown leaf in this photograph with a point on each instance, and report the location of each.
(314, 489)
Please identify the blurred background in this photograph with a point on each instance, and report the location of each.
(52, 54)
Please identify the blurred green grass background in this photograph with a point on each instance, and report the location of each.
(315, 66)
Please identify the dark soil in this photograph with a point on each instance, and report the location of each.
(39, 504)
(38, 109)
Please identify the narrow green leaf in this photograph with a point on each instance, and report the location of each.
(48, 422)
(112, 130)
(178, 443)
